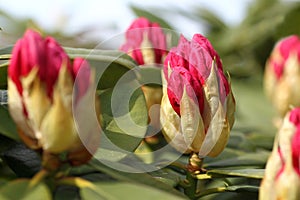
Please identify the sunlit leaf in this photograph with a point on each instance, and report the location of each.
(20, 189)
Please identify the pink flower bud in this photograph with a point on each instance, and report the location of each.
(282, 175)
(197, 109)
(145, 42)
(40, 90)
(282, 74)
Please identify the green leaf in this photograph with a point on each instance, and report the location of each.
(124, 117)
(141, 178)
(7, 125)
(248, 173)
(150, 75)
(236, 188)
(20, 189)
(125, 190)
(250, 159)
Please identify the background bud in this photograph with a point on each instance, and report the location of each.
(197, 110)
(282, 175)
(145, 42)
(282, 74)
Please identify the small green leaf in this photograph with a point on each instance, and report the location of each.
(20, 189)
(125, 190)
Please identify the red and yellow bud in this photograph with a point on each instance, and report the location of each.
(282, 74)
(197, 108)
(40, 93)
(282, 175)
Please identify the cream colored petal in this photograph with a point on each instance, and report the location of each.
(170, 123)
(36, 101)
(269, 81)
(147, 50)
(272, 168)
(216, 113)
(191, 122)
(288, 184)
(16, 109)
(58, 128)
(217, 127)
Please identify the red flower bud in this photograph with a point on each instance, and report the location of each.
(40, 90)
(197, 106)
(145, 42)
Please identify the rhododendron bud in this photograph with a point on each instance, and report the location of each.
(40, 93)
(282, 74)
(282, 174)
(145, 42)
(197, 108)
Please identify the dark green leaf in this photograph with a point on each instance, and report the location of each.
(257, 159)
(7, 125)
(65, 192)
(23, 161)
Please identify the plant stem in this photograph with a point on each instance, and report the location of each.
(76, 181)
(194, 167)
(38, 177)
